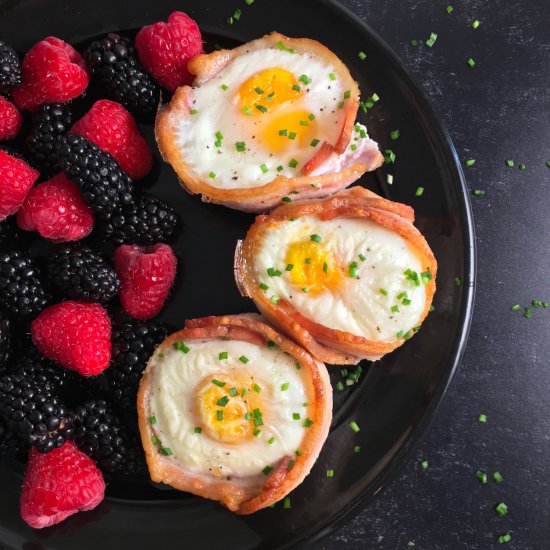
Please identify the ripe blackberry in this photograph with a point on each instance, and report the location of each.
(21, 292)
(33, 365)
(79, 273)
(11, 446)
(49, 123)
(104, 185)
(99, 433)
(114, 62)
(6, 340)
(30, 409)
(133, 343)
(147, 221)
(10, 68)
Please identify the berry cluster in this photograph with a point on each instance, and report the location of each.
(66, 392)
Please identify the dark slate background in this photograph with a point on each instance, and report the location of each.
(496, 111)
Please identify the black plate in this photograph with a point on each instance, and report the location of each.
(396, 397)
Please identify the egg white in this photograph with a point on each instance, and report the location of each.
(174, 387)
(356, 306)
(217, 111)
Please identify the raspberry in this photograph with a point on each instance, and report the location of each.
(56, 210)
(49, 123)
(165, 48)
(147, 221)
(52, 71)
(146, 275)
(21, 291)
(113, 61)
(76, 335)
(59, 484)
(10, 120)
(100, 434)
(16, 179)
(104, 185)
(110, 126)
(10, 68)
(79, 273)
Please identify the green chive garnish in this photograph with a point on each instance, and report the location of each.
(267, 470)
(233, 392)
(256, 388)
(394, 134)
(263, 286)
(285, 386)
(357, 449)
(240, 146)
(314, 142)
(271, 440)
(166, 451)
(193, 111)
(291, 135)
(152, 420)
(218, 383)
(431, 40)
(212, 175)
(332, 76)
(383, 291)
(424, 464)
(219, 415)
(154, 440)
(470, 162)
(261, 108)
(198, 430)
(293, 163)
(471, 63)
(180, 346)
(305, 79)
(510, 163)
(482, 476)
(315, 238)
(504, 538)
(286, 503)
(419, 191)
(330, 473)
(307, 423)
(353, 425)
(475, 24)
(223, 355)
(501, 509)
(482, 418)
(243, 359)
(295, 416)
(497, 477)
(362, 56)
(353, 270)
(274, 299)
(449, 8)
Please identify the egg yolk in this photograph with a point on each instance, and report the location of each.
(313, 267)
(228, 413)
(268, 89)
(289, 129)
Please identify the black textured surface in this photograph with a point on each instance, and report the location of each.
(498, 110)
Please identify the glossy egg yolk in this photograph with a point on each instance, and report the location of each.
(227, 408)
(314, 268)
(289, 129)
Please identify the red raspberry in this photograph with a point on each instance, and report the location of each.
(16, 178)
(53, 71)
(75, 335)
(56, 210)
(165, 48)
(112, 128)
(10, 120)
(146, 274)
(58, 484)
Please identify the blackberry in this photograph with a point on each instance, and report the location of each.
(21, 291)
(6, 340)
(10, 68)
(33, 365)
(133, 342)
(114, 62)
(147, 221)
(79, 273)
(11, 446)
(30, 408)
(49, 123)
(103, 183)
(9, 232)
(99, 433)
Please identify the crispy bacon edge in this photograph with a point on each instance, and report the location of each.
(329, 345)
(284, 477)
(259, 199)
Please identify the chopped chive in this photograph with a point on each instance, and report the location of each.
(426, 277)
(521, 166)
(296, 416)
(307, 423)
(223, 355)
(479, 193)
(281, 45)
(261, 108)
(470, 162)
(357, 449)
(414, 42)
(152, 420)
(218, 143)
(280, 168)
(497, 477)
(449, 8)
(353, 147)
(419, 191)
(258, 421)
(180, 346)
(259, 91)
(257, 432)
(267, 470)
(166, 451)
(305, 79)
(314, 142)
(424, 464)
(193, 111)
(399, 334)
(296, 88)
(291, 135)
(475, 24)
(432, 308)
(383, 291)
(330, 473)
(431, 40)
(458, 281)
(264, 168)
(218, 135)
(362, 56)
(271, 440)
(154, 440)
(248, 416)
(298, 452)
(482, 418)
(510, 163)
(482, 476)
(311, 116)
(274, 299)
(237, 14)
(504, 538)
(285, 386)
(293, 163)
(247, 111)
(243, 359)
(272, 272)
(233, 392)
(283, 132)
(527, 312)
(347, 94)
(315, 238)
(240, 146)
(501, 509)
(289, 267)
(223, 87)
(394, 134)
(362, 257)
(218, 383)
(332, 76)
(353, 270)
(197, 430)
(256, 388)
(286, 503)
(219, 415)
(263, 286)
(548, 163)
(340, 105)
(353, 425)
(406, 302)
(297, 365)
(286, 199)
(471, 63)
(389, 157)
(412, 276)
(223, 401)
(536, 303)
